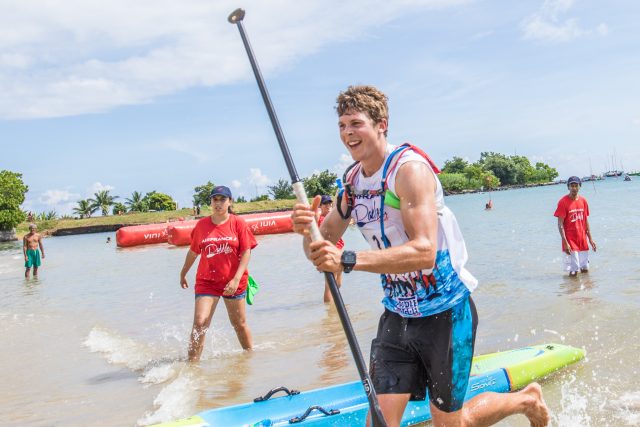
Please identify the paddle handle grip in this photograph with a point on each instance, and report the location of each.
(301, 195)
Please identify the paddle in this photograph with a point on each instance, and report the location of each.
(236, 17)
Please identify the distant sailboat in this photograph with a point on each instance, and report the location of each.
(613, 172)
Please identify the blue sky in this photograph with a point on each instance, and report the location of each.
(158, 95)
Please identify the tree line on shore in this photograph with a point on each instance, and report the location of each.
(103, 201)
(492, 170)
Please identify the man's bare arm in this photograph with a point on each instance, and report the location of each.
(40, 244)
(588, 230)
(334, 226)
(565, 242)
(415, 187)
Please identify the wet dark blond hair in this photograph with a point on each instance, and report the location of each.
(364, 99)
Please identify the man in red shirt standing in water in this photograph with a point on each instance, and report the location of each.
(573, 224)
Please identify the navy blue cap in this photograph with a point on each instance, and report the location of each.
(325, 199)
(221, 190)
(574, 180)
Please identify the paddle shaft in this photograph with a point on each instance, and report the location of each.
(236, 17)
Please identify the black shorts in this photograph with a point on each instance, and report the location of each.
(411, 355)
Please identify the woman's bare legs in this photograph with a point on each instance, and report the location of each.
(236, 309)
(205, 306)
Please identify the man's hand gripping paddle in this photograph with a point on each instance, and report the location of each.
(236, 18)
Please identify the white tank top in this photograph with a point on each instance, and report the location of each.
(419, 293)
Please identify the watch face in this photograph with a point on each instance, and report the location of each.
(349, 257)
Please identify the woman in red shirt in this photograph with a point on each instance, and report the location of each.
(224, 243)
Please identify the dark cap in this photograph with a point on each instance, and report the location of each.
(574, 180)
(325, 199)
(221, 190)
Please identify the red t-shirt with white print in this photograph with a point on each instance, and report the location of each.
(574, 214)
(220, 247)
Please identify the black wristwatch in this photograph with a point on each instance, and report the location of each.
(348, 261)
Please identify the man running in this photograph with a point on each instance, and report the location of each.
(31, 247)
(426, 334)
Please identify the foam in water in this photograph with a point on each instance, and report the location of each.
(177, 399)
(159, 372)
(117, 349)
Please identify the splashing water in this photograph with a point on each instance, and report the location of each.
(176, 400)
(117, 349)
(628, 407)
(573, 403)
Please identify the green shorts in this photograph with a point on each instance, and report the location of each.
(33, 258)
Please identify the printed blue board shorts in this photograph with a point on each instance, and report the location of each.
(434, 354)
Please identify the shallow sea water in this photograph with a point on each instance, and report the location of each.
(100, 338)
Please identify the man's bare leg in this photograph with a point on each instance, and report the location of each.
(35, 272)
(27, 272)
(488, 408)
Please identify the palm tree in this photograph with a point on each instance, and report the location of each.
(136, 203)
(84, 209)
(103, 201)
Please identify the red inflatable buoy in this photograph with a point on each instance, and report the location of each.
(269, 223)
(179, 233)
(141, 235)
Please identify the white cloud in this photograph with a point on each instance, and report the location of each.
(61, 201)
(54, 197)
(236, 184)
(343, 163)
(98, 186)
(548, 26)
(256, 177)
(85, 56)
(602, 29)
(539, 28)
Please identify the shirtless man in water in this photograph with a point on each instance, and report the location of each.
(31, 247)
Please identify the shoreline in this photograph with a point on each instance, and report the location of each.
(503, 188)
(103, 228)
